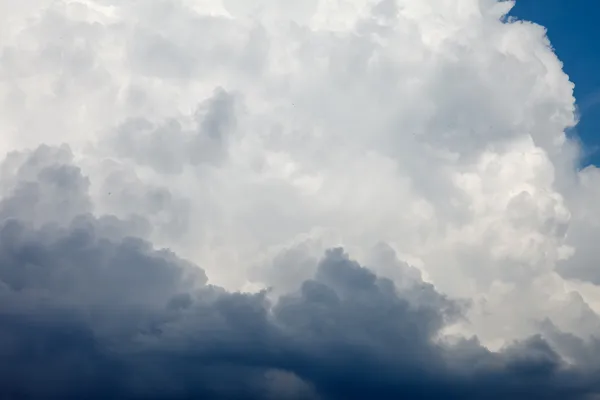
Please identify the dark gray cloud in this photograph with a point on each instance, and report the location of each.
(89, 311)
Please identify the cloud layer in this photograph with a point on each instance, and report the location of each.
(264, 199)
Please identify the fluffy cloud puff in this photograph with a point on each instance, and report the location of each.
(88, 310)
(256, 139)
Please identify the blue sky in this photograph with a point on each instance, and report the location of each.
(573, 30)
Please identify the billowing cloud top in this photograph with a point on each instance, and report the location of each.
(275, 199)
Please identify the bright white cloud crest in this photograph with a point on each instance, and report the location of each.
(250, 136)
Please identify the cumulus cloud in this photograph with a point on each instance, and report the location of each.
(89, 314)
(264, 199)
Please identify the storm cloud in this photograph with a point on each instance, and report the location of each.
(88, 310)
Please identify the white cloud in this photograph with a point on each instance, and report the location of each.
(250, 136)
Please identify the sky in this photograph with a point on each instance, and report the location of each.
(272, 199)
(572, 30)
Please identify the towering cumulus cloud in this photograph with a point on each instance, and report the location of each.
(277, 199)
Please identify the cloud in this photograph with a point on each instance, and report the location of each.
(167, 148)
(135, 322)
(181, 177)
